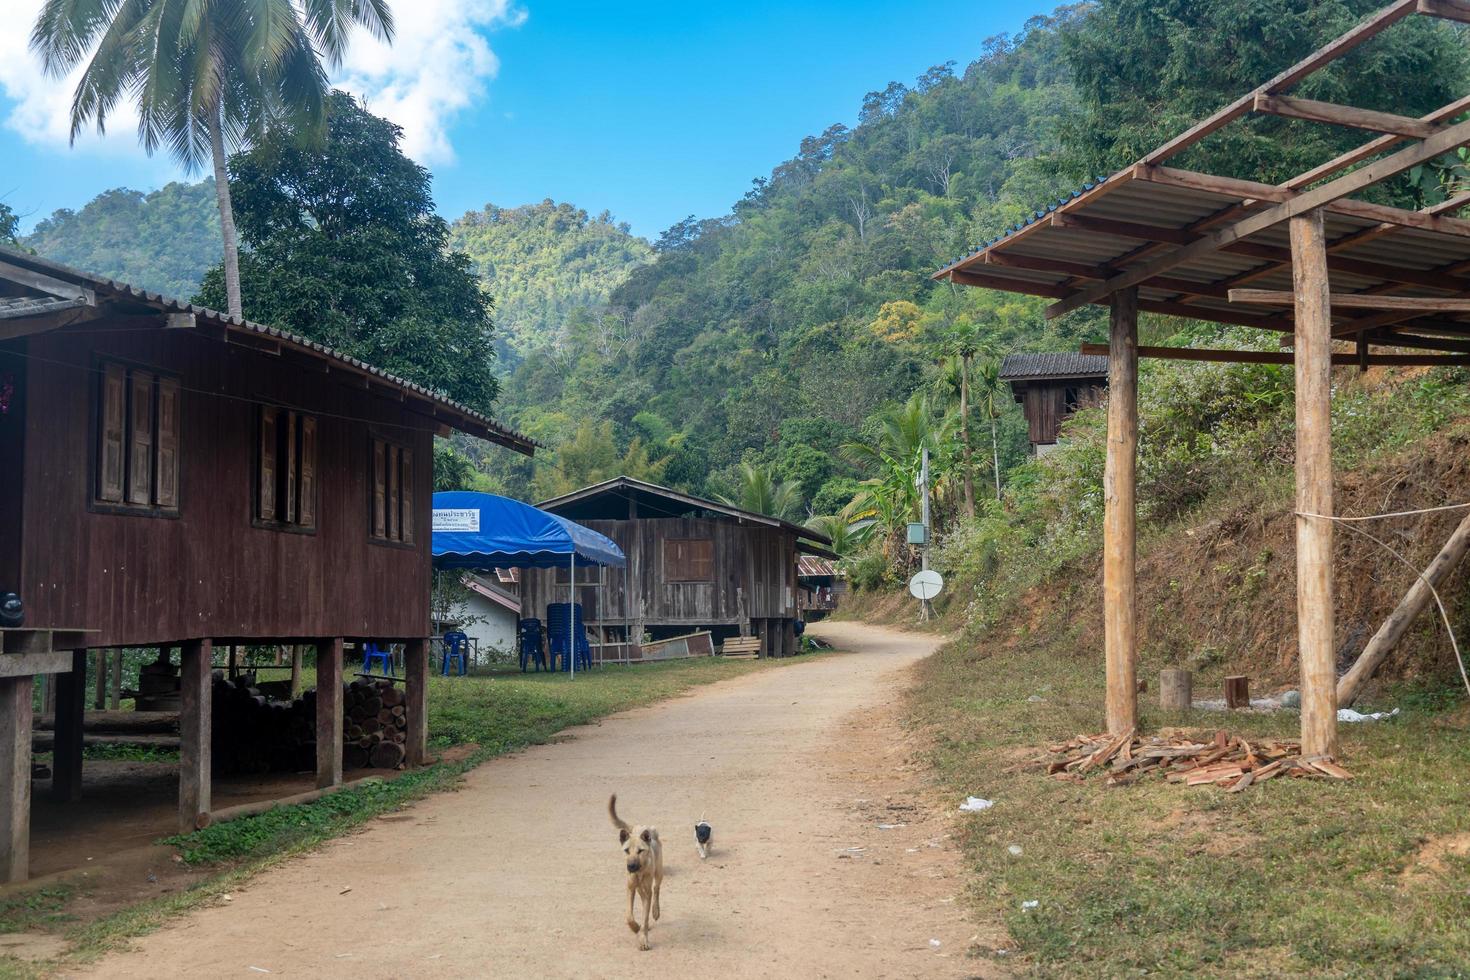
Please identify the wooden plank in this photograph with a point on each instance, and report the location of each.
(71, 701)
(46, 284)
(1448, 9)
(194, 735)
(1442, 142)
(1281, 357)
(30, 664)
(1315, 647)
(1404, 614)
(1359, 301)
(15, 778)
(328, 709)
(1341, 115)
(1366, 31)
(416, 688)
(1120, 517)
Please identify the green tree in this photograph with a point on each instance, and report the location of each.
(591, 456)
(345, 248)
(761, 493)
(205, 75)
(9, 226)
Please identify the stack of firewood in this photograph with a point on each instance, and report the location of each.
(374, 725)
(1222, 760)
(254, 733)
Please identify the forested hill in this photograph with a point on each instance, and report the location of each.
(161, 241)
(543, 261)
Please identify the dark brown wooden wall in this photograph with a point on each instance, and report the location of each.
(761, 561)
(211, 573)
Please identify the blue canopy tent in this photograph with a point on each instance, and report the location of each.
(484, 530)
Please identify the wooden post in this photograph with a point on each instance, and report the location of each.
(233, 665)
(416, 687)
(789, 637)
(71, 702)
(194, 734)
(1176, 690)
(1314, 597)
(15, 777)
(48, 694)
(115, 696)
(296, 660)
(1120, 516)
(1237, 692)
(328, 708)
(99, 700)
(1398, 622)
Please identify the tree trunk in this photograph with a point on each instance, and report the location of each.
(965, 436)
(226, 215)
(995, 452)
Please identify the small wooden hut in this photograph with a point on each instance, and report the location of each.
(172, 477)
(1051, 387)
(693, 565)
(1341, 279)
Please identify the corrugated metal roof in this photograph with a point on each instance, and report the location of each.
(481, 424)
(1019, 367)
(810, 566)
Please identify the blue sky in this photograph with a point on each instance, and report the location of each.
(653, 111)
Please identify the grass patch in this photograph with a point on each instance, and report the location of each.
(1296, 876)
(38, 909)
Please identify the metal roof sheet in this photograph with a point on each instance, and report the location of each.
(1020, 367)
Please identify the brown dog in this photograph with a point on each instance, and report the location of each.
(645, 860)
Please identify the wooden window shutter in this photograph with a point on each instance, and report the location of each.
(288, 467)
(702, 561)
(306, 479)
(140, 438)
(405, 490)
(267, 489)
(111, 424)
(380, 489)
(393, 525)
(166, 466)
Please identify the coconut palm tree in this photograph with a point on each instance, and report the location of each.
(206, 75)
(761, 493)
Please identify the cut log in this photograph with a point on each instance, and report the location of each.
(1176, 690)
(1398, 622)
(1237, 692)
(354, 756)
(387, 755)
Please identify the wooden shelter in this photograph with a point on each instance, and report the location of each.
(176, 478)
(1051, 387)
(1306, 258)
(693, 565)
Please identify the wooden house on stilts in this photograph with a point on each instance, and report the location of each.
(694, 565)
(172, 477)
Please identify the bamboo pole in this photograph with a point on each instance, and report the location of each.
(1120, 519)
(1398, 622)
(1314, 594)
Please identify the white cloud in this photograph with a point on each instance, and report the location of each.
(438, 66)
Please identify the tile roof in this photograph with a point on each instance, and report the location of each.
(1019, 367)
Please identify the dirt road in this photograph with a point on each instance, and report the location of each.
(829, 859)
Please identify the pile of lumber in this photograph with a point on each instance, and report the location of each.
(254, 733)
(374, 725)
(1223, 760)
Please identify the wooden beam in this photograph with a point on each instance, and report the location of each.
(1398, 622)
(99, 699)
(114, 694)
(1448, 9)
(71, 702)
(1218, 356)
(1340, 115)
(1120, 517)
(47, 284)
(1372, 148)
(328, 710)
(1325, 55)
(15, 777)
(194, 734)
(416, 689)
(30, 664)
(1442, 142)
(1359, 301)
(1315, 646)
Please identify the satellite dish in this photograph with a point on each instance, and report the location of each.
(926, 584)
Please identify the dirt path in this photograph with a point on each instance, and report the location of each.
(518, 874)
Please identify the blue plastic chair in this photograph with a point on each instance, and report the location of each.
(456, 647)
(532, 643)
(372, 653)
(556, 621)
